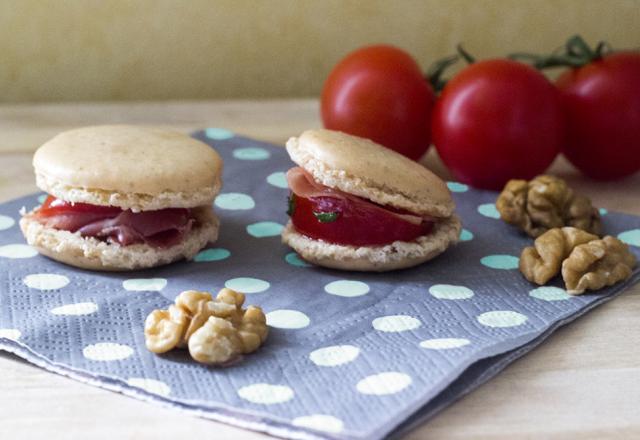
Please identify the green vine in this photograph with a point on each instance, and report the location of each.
(436, 71)
(574, 53)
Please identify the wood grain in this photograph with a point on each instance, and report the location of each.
(584, 382)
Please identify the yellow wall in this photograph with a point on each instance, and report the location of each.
(144, 49)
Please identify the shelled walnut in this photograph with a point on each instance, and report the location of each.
(599, 263)
(542, 261)
(163, 329)
(216, 342)
(586, 262)
(544, 203)
(215, 331)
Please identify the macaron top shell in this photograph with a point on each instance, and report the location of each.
(119, 164)
(363, 168)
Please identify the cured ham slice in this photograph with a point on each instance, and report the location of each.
(161, 228)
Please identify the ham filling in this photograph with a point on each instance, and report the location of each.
(338, 217)
(162, 228)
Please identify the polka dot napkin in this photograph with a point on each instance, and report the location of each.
(350, 355)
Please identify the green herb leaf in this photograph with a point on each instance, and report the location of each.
(291, 200)
(326, 217)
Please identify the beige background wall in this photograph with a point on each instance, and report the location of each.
(145, 49)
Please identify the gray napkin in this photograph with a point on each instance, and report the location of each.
(350, 355)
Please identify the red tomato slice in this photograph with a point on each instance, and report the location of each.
(53, 206)
(355, 224)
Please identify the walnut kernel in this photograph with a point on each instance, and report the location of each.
(215, 331)
(544, 203)
(190, 299)
(163, 329)
(229, 296)
(599, 263)
(542, 261)
(253, 329)
(216, 342)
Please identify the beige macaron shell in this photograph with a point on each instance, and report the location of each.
(394, 256)
(363, 168)
(128, 166)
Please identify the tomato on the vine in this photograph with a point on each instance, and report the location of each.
(498, 120)
(602, 103)
(380, 93)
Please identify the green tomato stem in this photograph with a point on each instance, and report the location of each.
(575, 53)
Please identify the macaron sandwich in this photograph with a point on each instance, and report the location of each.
(123, 197)
(356, 205)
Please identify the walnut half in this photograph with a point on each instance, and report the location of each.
(544, 203)
(596, 264)
(216, 342)
(586, 262)
(229, 330)
(216, 331)
(163, 329)
(542, 261)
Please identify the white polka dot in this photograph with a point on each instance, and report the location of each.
(150, 385)
(218, 133)
(247, 285)
(489, 210)
(10, 333)
(251, 153)
(42, 198)
(287, 319)
(444, 343)
(144, 284)
(334, 355)
(390, 382)
(46, 281)
(320, 422)
(503, 262)
(457, 187)
(466, 235)
(347, 288)
(278, 179)
(85, 308)
(502, 318)
(266, 394)
(214, 254)
(449, 291)
(395, 323)
(17, 251)
(264, 229)
(235, 201)
(6, 222)
(631, 237)
(107, 351)
(294, 259)
(549, 293)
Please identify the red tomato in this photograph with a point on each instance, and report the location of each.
(498, 120)
(354, 224)
(380, 93)
(602, 104)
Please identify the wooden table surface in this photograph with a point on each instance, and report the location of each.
(584, 382)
